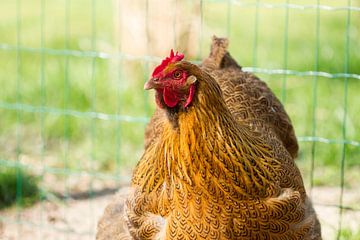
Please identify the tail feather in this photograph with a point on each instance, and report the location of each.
(219, 56)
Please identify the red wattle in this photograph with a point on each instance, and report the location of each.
(191, 95)
(170, 99)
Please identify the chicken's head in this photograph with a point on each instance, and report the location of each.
(174, 85)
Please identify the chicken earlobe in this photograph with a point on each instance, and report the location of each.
(190, 80)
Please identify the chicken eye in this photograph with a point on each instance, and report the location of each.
(177, 74)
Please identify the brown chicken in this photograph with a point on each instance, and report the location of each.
(247, 97)
(218, 161)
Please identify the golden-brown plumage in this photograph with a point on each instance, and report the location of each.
(247, 97)
(221, 168)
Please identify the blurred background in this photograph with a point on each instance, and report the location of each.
(73, 108)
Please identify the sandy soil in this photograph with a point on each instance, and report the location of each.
(77, 218)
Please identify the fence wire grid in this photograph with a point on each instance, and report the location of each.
(73, 109)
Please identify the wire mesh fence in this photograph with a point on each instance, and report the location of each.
(73, 110)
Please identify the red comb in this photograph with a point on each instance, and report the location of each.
(171, 59)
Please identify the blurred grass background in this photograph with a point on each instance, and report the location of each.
(72, 103)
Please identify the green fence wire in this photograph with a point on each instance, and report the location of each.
(110, 129)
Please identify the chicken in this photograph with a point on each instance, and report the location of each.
(218, 160)
(247, 97)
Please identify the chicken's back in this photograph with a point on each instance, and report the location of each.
(248, 98)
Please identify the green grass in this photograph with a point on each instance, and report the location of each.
(348, 234)
(112, 86)
(18, 186)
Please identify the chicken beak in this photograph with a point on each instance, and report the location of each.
(151, 83)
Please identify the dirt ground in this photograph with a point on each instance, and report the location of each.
(77, 218)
